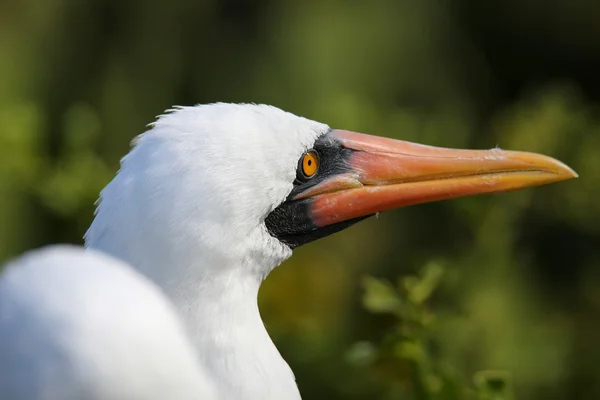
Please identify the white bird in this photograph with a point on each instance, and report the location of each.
(213, 197)
(80, 325)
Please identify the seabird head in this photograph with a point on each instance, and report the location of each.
(237, 182)
(203, 180)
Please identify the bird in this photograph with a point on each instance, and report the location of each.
(77, 324)
(212, 197)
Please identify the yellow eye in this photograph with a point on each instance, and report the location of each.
(310, 164)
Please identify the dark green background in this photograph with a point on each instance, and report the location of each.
(521, 292)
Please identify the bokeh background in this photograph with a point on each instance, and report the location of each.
(518, 274)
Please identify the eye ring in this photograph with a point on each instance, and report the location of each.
(308, 166)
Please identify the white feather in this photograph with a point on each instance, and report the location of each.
(187, 209)
(77, 325)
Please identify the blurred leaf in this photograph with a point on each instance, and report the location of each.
(380, 296)
(493, 385)
(20, 142)
(73, 184)
(419, 290)
(362, 354)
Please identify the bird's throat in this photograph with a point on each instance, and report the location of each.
(224, 323)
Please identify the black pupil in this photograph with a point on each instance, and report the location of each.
(309, 163)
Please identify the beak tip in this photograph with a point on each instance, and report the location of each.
(550, 165)
(565, 171)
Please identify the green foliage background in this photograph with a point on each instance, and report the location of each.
(518, 289)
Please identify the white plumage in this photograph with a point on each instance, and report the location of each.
(187, 209)
(80, 325)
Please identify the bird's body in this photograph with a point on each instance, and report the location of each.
(80, 325)
(213, 197)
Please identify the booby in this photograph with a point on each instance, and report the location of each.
(213, 197)
(80, 325)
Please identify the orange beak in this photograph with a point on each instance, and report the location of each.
(384, 174)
